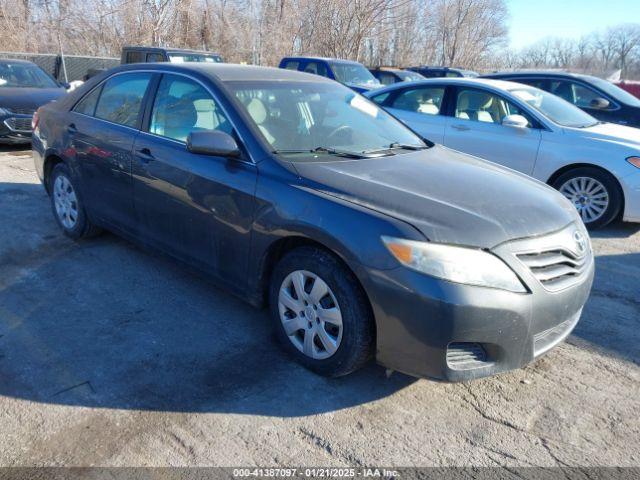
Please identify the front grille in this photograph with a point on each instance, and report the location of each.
(555, 269)
(465, 356)
(558, 260)
(22, 111)
(19, 124)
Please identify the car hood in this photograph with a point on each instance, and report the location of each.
(448, 196)
(28, 98)
(609, 132)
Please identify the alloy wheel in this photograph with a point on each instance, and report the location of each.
(588, 195)
(310, 314)
(65, 201)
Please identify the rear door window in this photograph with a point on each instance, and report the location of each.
(292, 65)
(154, 57)
(87, 106)
(385, 78)
(317, 68)
(135, 57)
(121, 98)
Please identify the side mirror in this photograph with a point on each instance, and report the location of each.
(515, 121)
(599, 103)
(213, 142)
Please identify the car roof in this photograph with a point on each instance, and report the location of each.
(168, 49)
(535, 73)
(461, 81)
(16, 60)
(324, 59)
(228, 72)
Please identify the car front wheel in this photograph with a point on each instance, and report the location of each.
(595, 194)
(320, 312)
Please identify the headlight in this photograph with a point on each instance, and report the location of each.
(456, 264)
(4, 111)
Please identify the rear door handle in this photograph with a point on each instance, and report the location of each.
(145, 155)
(461, 128)
(72, 128)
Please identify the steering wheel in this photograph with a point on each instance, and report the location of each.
(341, 130)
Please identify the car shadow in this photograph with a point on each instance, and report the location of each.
(616, 230)
(15, 149)
(102, 323)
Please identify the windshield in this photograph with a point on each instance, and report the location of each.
(615, 91)
(24, 75)
(554, 108)
(298, 117)
(194, 57)
(408, 76)
(353, 73)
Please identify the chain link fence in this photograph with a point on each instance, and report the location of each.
(67, 68)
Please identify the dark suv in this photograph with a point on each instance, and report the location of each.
(161, 54)
(599, 98)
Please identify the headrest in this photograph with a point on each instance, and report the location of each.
(257, 111)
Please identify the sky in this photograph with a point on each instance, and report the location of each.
(533, 20)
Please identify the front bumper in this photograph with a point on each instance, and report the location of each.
(15, 127)
(631, 188)
(433, 328)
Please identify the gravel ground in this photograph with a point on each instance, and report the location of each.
(110, 355)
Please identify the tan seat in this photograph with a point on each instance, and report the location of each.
(258, 113)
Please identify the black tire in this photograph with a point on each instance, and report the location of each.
(83, 227)
(358, 332)
(610, 184)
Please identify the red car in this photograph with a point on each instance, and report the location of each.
(633, 87)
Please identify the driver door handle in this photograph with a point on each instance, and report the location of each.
(72, 128)
(461, 128)
(145, 154)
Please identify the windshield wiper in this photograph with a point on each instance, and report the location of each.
(407, 146)
(330, 151)
(398, 146)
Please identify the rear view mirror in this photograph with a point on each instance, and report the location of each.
(515, 121)
(599, 103)
(213, 142)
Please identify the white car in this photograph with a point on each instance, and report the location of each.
(596, 165)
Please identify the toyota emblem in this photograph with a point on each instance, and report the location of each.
(581, 242)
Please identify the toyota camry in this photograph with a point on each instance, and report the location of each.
(294, 192)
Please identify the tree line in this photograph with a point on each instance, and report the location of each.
(463, 33)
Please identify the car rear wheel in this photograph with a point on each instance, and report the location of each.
(595, 194)
(320, 312)
(67, 206)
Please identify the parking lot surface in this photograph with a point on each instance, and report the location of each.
(113, 355)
